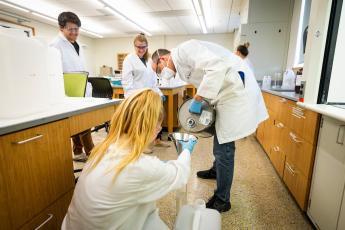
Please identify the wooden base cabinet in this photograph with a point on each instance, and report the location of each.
(289, 139)
(36, 170)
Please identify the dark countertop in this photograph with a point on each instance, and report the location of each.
(288, 95)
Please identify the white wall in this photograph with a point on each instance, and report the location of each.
(267, 31)
(106, 50)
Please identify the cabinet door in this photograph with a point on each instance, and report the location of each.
(299, 151)
(51, 218)
(277, 154)
(278, 160)
(297, 183)
(329, 176)
(341, 221)
(37, 169)
(304, 123)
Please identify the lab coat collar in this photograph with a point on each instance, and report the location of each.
(65, 39)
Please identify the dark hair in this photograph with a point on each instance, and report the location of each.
(243, 49)
(158, 53)
(71, 17)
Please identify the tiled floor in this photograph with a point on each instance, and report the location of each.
(259, 199)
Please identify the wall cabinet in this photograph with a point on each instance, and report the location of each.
(289, 138)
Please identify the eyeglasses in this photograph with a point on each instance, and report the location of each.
(141, 47)
(72, 29)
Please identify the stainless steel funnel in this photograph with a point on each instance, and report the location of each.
(176, 137)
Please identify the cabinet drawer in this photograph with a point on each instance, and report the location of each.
(299, 151)
(297, 183)
(278, 160)
(303, 122)
(51, 218)
(37, 169)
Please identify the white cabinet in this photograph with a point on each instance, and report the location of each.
(328, 182)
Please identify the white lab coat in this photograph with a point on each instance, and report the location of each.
(71, 61)
(124, 204)
(135, 75)
(214, 71)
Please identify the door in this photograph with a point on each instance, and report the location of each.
(329, 175)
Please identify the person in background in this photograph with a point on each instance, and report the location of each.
(137, 74)
(242, 51)
(119, 185)
(73, 61)
(213, 70)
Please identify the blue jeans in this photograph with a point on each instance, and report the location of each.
(224, 166)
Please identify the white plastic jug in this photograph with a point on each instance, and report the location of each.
(289, 80)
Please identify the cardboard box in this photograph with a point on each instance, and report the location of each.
(106, 71)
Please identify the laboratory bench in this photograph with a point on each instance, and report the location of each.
(174, 95)
(36, 168)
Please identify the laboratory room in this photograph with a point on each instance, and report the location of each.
(172, 114)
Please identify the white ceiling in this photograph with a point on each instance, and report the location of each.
(159, 17)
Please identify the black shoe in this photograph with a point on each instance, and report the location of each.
(207, 174)
(211, 201)
(220, 205)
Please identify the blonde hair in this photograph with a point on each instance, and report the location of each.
(132, 126)
(142, 38)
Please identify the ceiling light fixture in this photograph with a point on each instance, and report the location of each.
(199, 14)
(91, 33)
(119, 14)
(14, 6)
(45, 17)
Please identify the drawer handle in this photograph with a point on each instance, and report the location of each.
(276, 149)
(50, 216)
(290, 169)
(38, 136)
(280, 125)
(282, 100)
(299, 116)
(340, 141)
(294, 138)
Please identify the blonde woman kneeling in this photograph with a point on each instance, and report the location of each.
(119, 185)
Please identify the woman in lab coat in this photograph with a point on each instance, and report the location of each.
(137, 71)
(119, 185)
(242, 51)
(213, 70)
(137, 74)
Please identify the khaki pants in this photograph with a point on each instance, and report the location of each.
(81, 140)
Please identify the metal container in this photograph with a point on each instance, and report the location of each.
(201, 125)
(177, 137)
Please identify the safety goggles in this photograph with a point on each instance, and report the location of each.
(141, 47)
(72, 29)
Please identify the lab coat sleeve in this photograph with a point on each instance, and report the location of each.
(127, 76)
(214, 68)
(165, 177)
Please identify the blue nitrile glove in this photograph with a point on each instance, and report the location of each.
(195, 107)
(188, 144)
(242, 76)
(164, 98)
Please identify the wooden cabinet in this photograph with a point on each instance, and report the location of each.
(297, 183)
(289, 138)
(36, 170)
(51, 217)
